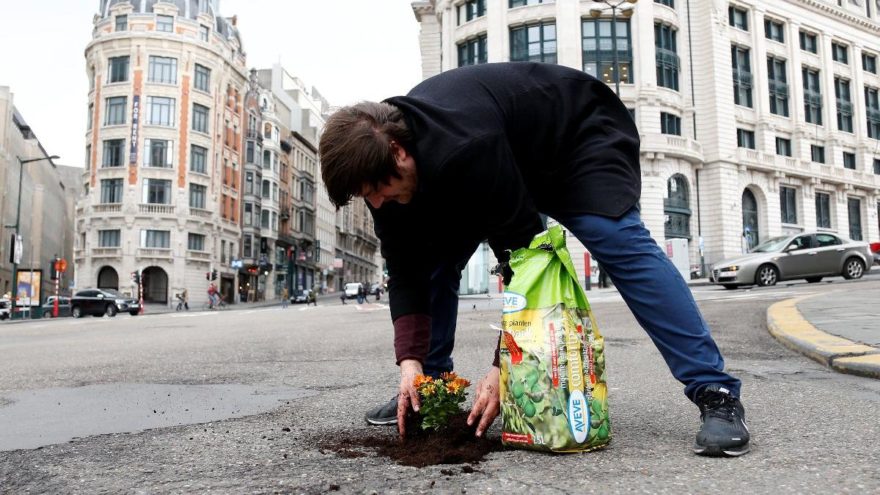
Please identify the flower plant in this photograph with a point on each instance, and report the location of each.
(440, 398)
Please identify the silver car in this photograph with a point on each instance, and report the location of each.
(810, 256)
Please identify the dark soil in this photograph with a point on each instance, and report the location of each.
(454, 444)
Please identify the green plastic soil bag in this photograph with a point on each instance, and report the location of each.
(553, 392)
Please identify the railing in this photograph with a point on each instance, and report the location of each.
(778, 87)
(742, 77)
(199, 212)
(667, 57)
(106, 252)
(163, 253)
(156, 209)
(108, 208)
(198, 255)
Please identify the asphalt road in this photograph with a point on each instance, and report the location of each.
(203, 401)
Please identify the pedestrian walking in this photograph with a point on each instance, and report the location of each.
(361, 294)
(518, 139)
(313, 296)
(342, 297)
(285, 298)
(602, 276)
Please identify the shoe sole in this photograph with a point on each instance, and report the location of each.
(716, 451)
(382, 422)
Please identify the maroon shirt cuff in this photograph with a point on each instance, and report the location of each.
(412, 337)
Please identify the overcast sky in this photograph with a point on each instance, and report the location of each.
(350, 50)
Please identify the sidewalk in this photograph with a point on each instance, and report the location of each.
(840, 329)
(154, 309)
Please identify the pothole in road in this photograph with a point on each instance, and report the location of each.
(35, 418)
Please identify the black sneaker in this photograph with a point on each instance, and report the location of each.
(724, 431)
(383, 415)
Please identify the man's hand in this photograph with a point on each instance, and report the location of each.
(487, 404)
(408, 395)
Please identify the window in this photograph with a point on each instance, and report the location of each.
(249, 183)
(774, 30)
(668, 3)
(872, 109)
(114, 151)
(157, 191)
(738, 18)
(90, 116)
(248, 246)
(812, 96)
(117, 69)
(197, 196)
(111, 191)
(844, 105)
(670, 124)
(817, 153)
(165, 23)
(195, 242)
(742, 76)
(122, 23)
(520, 3)
(783, 146)
(163, 70)
(204, 33)
(470, 10)
(598, 45)
(248, 213)
(264, 219)
(88, 160)
(849, 160)
(839, 53)
(823, 210)
(198, 159)
(877, 166)
(745, 139)
(854, 208)
(267, 189)
(156, 239)
(473, 52)
(160, 111)
(788, 204)
(825, 240)
(534, 43)
(809, 42)
(778, 83)
(158, 153)
(200, 118)
(202, 79)
(115, 110)
(667, 56)
(109, 238)
(869, 63)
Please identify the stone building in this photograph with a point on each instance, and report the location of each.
(757, 119)
(163, 150)
(43, 203)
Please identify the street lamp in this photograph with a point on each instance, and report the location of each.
(17, 224)
(596, 13)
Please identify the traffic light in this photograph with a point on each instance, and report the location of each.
(207, 275)
(136, 277)
(52, 271)
(214, 274)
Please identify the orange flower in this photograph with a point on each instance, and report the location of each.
(420, 380)
(428, 390)
(448, 376)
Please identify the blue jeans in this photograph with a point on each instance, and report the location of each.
(651, 286)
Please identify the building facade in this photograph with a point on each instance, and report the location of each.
(43, 203)
(163, 150)
(757, 119)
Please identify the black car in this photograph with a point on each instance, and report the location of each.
(63, 306)
(99, 302)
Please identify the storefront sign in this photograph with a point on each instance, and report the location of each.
(135, 122)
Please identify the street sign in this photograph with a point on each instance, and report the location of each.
(19, 248)
(61, 265)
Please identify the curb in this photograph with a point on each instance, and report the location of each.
(787, 325)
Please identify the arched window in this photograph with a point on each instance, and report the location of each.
(677, 208)
(750, 233)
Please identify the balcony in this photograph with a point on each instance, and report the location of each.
(154, 253)
(198, 256)
(156, 209)
(673, 146)
(200, 213)
(107, 208)
(107, 252)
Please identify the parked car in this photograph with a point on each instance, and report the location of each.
(300, 296)
(63, 306)
(875, 248)
(98, 302)
(809, 256)
(352, 289)
(376, 289)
